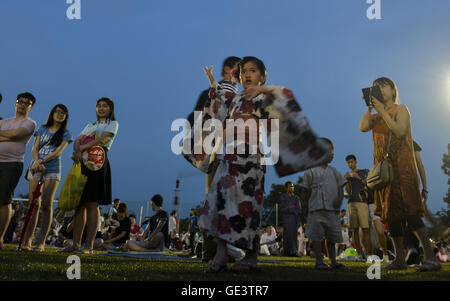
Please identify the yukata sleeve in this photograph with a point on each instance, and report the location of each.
(299, 148)
(217, 107)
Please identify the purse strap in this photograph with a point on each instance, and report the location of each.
(389, 145)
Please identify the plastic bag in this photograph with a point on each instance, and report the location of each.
(70, 196)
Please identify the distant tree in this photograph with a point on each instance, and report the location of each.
(444, 214)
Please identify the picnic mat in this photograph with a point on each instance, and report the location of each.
(164, 255)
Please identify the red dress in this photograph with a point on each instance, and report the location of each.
(402, 197)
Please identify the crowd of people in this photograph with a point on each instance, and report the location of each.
(379, 221)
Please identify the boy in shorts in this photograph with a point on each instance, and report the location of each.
(326, 186)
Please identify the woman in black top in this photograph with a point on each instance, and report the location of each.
(121, 233)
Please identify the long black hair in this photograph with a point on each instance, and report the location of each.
(110, 104)
(58, 136)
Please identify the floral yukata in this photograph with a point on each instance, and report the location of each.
(232, 208)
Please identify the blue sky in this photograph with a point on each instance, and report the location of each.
(148, 57)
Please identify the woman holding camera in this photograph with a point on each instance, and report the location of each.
(400, 202)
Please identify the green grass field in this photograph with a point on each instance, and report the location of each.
(50, 265)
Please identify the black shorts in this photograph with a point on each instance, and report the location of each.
(10, 173)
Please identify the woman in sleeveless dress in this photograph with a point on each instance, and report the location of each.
(400, 202)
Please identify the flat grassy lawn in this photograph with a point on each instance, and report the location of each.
(51, 265)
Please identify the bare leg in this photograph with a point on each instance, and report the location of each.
(423, 237)
(399, 252)
(221, 253)
(317, 248)
(381, 237)
(132, 245)
(92, 224)
(50, 186)
(356, 240)
(331, 252)
(78, 226)
(5, 218)
(367, 241)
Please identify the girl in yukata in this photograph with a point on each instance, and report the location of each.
(232, 209)
(51, 139)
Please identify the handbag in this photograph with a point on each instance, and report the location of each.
(93, 158)
(382, 173)
(73, 188)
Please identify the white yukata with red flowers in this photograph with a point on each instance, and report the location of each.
(232, 208)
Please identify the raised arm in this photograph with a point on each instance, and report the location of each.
(399, 127)
(100, 141)
(423, 176)
(366, 122)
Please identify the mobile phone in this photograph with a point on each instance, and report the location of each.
(376, 92)
(366, 95)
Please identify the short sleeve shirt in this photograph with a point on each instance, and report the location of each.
(324, 184)
(125, 225)
(45, 148)
(14, 151)
(357, 185)
(98, 128)
(193, 224)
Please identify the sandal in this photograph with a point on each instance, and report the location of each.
(84, 251)
(25, 249)
(215, 267)
(339, 266)
(39, 249)
(69, 249)
(321, 266)
(428, 266)
(243, 266)
(394, 267)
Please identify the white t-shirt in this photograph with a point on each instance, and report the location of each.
(100, 222)
(172, 224)
(98, 128)
(112, 211)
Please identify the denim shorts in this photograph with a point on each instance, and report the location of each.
(47, 176)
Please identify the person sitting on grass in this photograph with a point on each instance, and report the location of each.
(268, 242)
(158, 228)
(326, 186)
(121, 233)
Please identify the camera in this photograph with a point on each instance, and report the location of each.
(374, 91)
